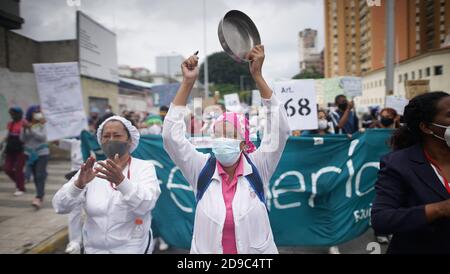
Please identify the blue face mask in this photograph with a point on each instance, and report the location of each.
(226, 150)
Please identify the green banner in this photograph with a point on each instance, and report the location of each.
(320, 194)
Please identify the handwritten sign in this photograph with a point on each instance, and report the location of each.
(396, 102)
(352, 86)
(59, 91)
(298, 97)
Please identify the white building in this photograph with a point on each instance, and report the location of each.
(433, 66)
(309, 56)
(125, 71)
(169, 65)
(137, 73)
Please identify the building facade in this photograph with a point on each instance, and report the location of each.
(310, 59)
(433, 66)
(355, 33)
(18, 53)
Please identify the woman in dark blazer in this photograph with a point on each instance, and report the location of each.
(412, 199)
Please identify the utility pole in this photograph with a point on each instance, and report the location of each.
(390, 45)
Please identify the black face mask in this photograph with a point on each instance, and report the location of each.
(111, 148)
(343, 106)
(16, 117)
(386, 121)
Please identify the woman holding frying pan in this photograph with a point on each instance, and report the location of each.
(231, 184)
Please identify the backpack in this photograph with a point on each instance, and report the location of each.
(204, 179)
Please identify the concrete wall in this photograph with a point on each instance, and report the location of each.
(21, 52)
(100, 89)
(58, 51)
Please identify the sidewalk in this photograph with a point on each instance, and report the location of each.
(22, 228)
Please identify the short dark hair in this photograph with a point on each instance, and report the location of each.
(338, 97)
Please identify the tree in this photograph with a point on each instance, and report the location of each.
(308, 75)
(227, 74)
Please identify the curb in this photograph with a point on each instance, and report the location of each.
(50, 244)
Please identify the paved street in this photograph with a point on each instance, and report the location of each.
(21, 226)
(357, 246)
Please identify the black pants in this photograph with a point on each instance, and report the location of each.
(39, 169)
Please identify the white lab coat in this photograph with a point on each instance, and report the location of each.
(111, 214)
(251, 219)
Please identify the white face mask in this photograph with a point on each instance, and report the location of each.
(226, 150)
(446, 134)
(323, 124)
(38, 116)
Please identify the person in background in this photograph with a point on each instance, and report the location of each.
(152, 125)
(163, 112)
(36, 150)
(325, 126)
(367, 121)
(412, 193)
(344, 118)
(388, 119)
(93, 118)
(109, 109)
(15, 157)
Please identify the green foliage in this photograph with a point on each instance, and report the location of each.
(226, 73)
(308, 75)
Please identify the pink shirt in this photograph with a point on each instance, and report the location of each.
(228, 191)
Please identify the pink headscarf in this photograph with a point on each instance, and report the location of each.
(241, 124)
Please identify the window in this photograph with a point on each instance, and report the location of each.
(413, 75)
(420, 74)
(428, 72)
(399, 78)
(438, 70)
(405, 77)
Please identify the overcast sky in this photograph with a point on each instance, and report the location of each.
(148, 28)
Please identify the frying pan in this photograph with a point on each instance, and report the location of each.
(238, 35)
